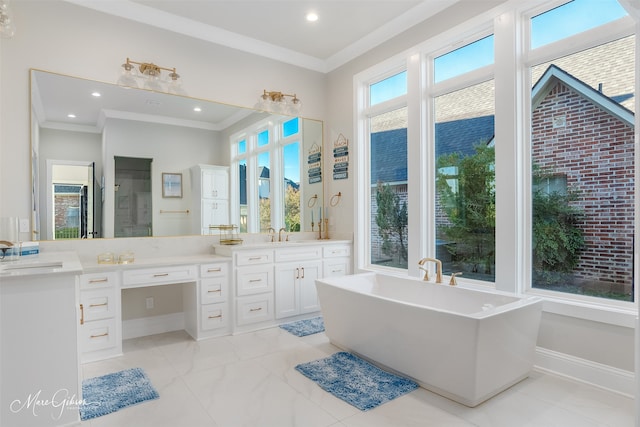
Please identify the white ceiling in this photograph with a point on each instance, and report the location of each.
(278, 29)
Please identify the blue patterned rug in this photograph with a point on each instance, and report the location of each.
(356, 381)
(305, 327)
(112, 392)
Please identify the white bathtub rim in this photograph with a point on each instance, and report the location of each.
(522, 301)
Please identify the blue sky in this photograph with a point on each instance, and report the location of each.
(566, 20)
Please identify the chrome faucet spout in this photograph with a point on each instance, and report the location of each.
(426, 272)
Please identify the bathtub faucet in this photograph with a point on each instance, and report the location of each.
(426, 272)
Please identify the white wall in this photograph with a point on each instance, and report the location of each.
(61, 37)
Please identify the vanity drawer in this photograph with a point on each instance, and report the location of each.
(336, 267)
(213, 270)
(254, 309)
(254, 280)
(213, 290)
(158, 276)
(97, 335)
(298, 253)
(253, 257)
(333, 251)
(214, 316)
(98, 280)
(97, 304)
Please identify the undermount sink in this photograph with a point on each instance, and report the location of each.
(30, 266)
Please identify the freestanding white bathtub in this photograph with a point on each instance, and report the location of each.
(463, 344)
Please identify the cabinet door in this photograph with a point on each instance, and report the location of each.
(310, 271)
(287, 290)
(214, 212)
(215, 184)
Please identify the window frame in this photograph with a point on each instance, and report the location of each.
(509, 24)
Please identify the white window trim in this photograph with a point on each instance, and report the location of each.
(513, 95)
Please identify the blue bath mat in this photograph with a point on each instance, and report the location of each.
(356, 381)
(112, 392)
(305, 327)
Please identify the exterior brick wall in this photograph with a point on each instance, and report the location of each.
(595, 151)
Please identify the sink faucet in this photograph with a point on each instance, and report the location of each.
(280, 234)
(426, 272)
(453, 281)
(272, 232)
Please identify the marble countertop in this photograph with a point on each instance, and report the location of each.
(227, 250)
(43, 263)
(94, 267)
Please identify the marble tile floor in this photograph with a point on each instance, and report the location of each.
(249, 380)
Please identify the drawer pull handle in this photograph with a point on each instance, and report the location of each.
(302, 273)
(82, 314)
(214, 270)
(161, 275)
(98, 305)
(254, 258)
(106, 334)
(104, 279)
(217, 291)
(255, 309)
(336, 271)
(255, 280)
(219, 316)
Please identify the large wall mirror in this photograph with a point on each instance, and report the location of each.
(109, 161)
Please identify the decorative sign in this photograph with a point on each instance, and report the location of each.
(341, 158)
(314, 164)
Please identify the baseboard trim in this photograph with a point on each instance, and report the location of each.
(144, 326)
(585, 371)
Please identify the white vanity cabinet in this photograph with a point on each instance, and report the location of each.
(212, 313)
(99, 328)
(296, 271)
(210, 196)
(39, 353)
(336, 260)
(254, 286)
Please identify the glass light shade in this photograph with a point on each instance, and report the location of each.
(175, 87)
(7, 26)
(128, 78)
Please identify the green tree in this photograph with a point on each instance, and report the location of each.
(392, 220)
(292, 209)
(557, 237)
(466, 187)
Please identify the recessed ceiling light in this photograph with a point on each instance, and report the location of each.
(96, 94)
(71, 116)
(197, 109)
(312, 17)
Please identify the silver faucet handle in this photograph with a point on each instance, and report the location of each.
(452, 281)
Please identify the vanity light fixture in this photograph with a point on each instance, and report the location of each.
(150, 75)
(278, 102)
(7, 26)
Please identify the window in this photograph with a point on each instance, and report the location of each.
(262, 203)
(582, 155)
(386, 196)
(465, 181)
(537, 132)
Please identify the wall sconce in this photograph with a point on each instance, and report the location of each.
(150, 75)
(7, 27)
(278, 102)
